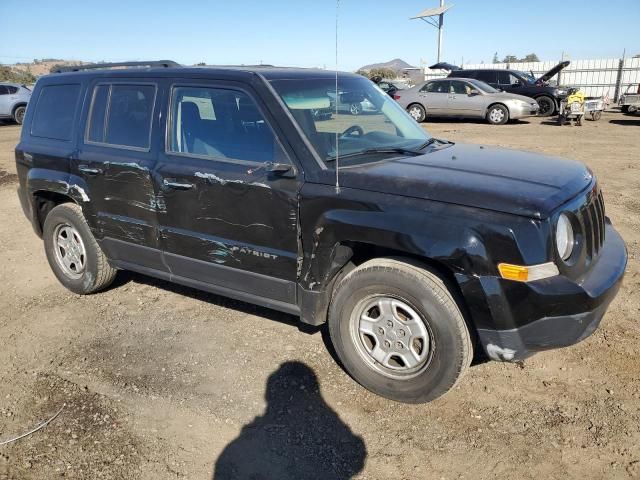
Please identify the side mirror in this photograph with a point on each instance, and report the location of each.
(473, 92)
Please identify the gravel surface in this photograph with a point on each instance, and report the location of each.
(161, 381)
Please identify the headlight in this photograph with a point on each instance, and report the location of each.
(560, 92)
(564, 236)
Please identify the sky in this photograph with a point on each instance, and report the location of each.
(302, 32)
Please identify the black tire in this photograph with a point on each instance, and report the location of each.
(18, 114)
(624, 108)
(417, 112)
(547, 106)
(497, 114)
(97, 274)
(450, 348)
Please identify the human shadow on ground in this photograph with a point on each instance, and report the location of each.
(298, 437)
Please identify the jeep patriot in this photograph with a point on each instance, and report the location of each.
(416, 251)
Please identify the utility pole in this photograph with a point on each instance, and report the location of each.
(429, 16)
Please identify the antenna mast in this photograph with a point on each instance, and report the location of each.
(336, 105)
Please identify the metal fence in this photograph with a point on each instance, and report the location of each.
(607, 76)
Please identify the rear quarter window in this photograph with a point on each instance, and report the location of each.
(55, 111)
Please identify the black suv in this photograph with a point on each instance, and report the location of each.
(522, 83)
(416, 251)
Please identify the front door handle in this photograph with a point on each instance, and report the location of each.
(89, 170)
(177, 185)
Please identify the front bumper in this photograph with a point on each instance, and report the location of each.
(554, 312)
(521, 111)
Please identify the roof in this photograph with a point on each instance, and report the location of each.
(267, 71)
(432, 12)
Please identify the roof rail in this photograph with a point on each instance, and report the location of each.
(95, 66)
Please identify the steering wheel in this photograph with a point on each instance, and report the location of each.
(353, 129)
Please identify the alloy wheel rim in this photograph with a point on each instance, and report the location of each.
(70, 253)
(355, 109)
(496, 115)
(20, 115)
(415, 113)
(391, 336)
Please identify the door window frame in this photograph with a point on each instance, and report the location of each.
(217, 86)
(110, 83)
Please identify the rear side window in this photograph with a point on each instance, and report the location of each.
(55, 111)
(487, 76)
(121, 115)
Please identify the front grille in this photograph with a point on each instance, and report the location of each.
(591, 216)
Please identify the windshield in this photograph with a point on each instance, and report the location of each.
(527, 76)
(484, 87)
(360, 118)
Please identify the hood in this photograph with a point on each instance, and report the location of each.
(551, 73)
(479, 176)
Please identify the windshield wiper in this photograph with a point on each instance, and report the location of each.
(433, 140)
(369, 151)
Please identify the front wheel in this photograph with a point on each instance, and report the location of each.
(547, 106)
(73, 253)
(417, 112)
(497, 115)
(18, 114)
(355, 109)
(398, 330)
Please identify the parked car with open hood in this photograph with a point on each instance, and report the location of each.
(14, 98)
(522, 83)
(464, 98)
(416, 251)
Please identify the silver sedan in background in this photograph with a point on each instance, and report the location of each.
(466, 98)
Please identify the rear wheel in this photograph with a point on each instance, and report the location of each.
(547, 106)
(417, 112)
(497, 114)
(18, 114)
(398, 331)
(73, 253)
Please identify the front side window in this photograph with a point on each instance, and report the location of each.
(461, 88)
(55, 110)
(504, 78)
(121, 115)
(220, 123)
(353, 120)
(12, 90)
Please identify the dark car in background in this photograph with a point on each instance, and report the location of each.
(515, 81)
(416, 251)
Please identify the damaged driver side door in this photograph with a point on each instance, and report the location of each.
(230, 192)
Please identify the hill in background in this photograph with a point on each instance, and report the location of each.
(397, 65)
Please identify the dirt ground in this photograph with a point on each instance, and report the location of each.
(160, 381)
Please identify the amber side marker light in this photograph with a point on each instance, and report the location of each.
(520, 273)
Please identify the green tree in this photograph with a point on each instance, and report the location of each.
(532, 57)
(495, 58)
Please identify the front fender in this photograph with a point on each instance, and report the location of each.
(468, 241)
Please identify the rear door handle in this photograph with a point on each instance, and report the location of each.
(89, 170)
(177, 185)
